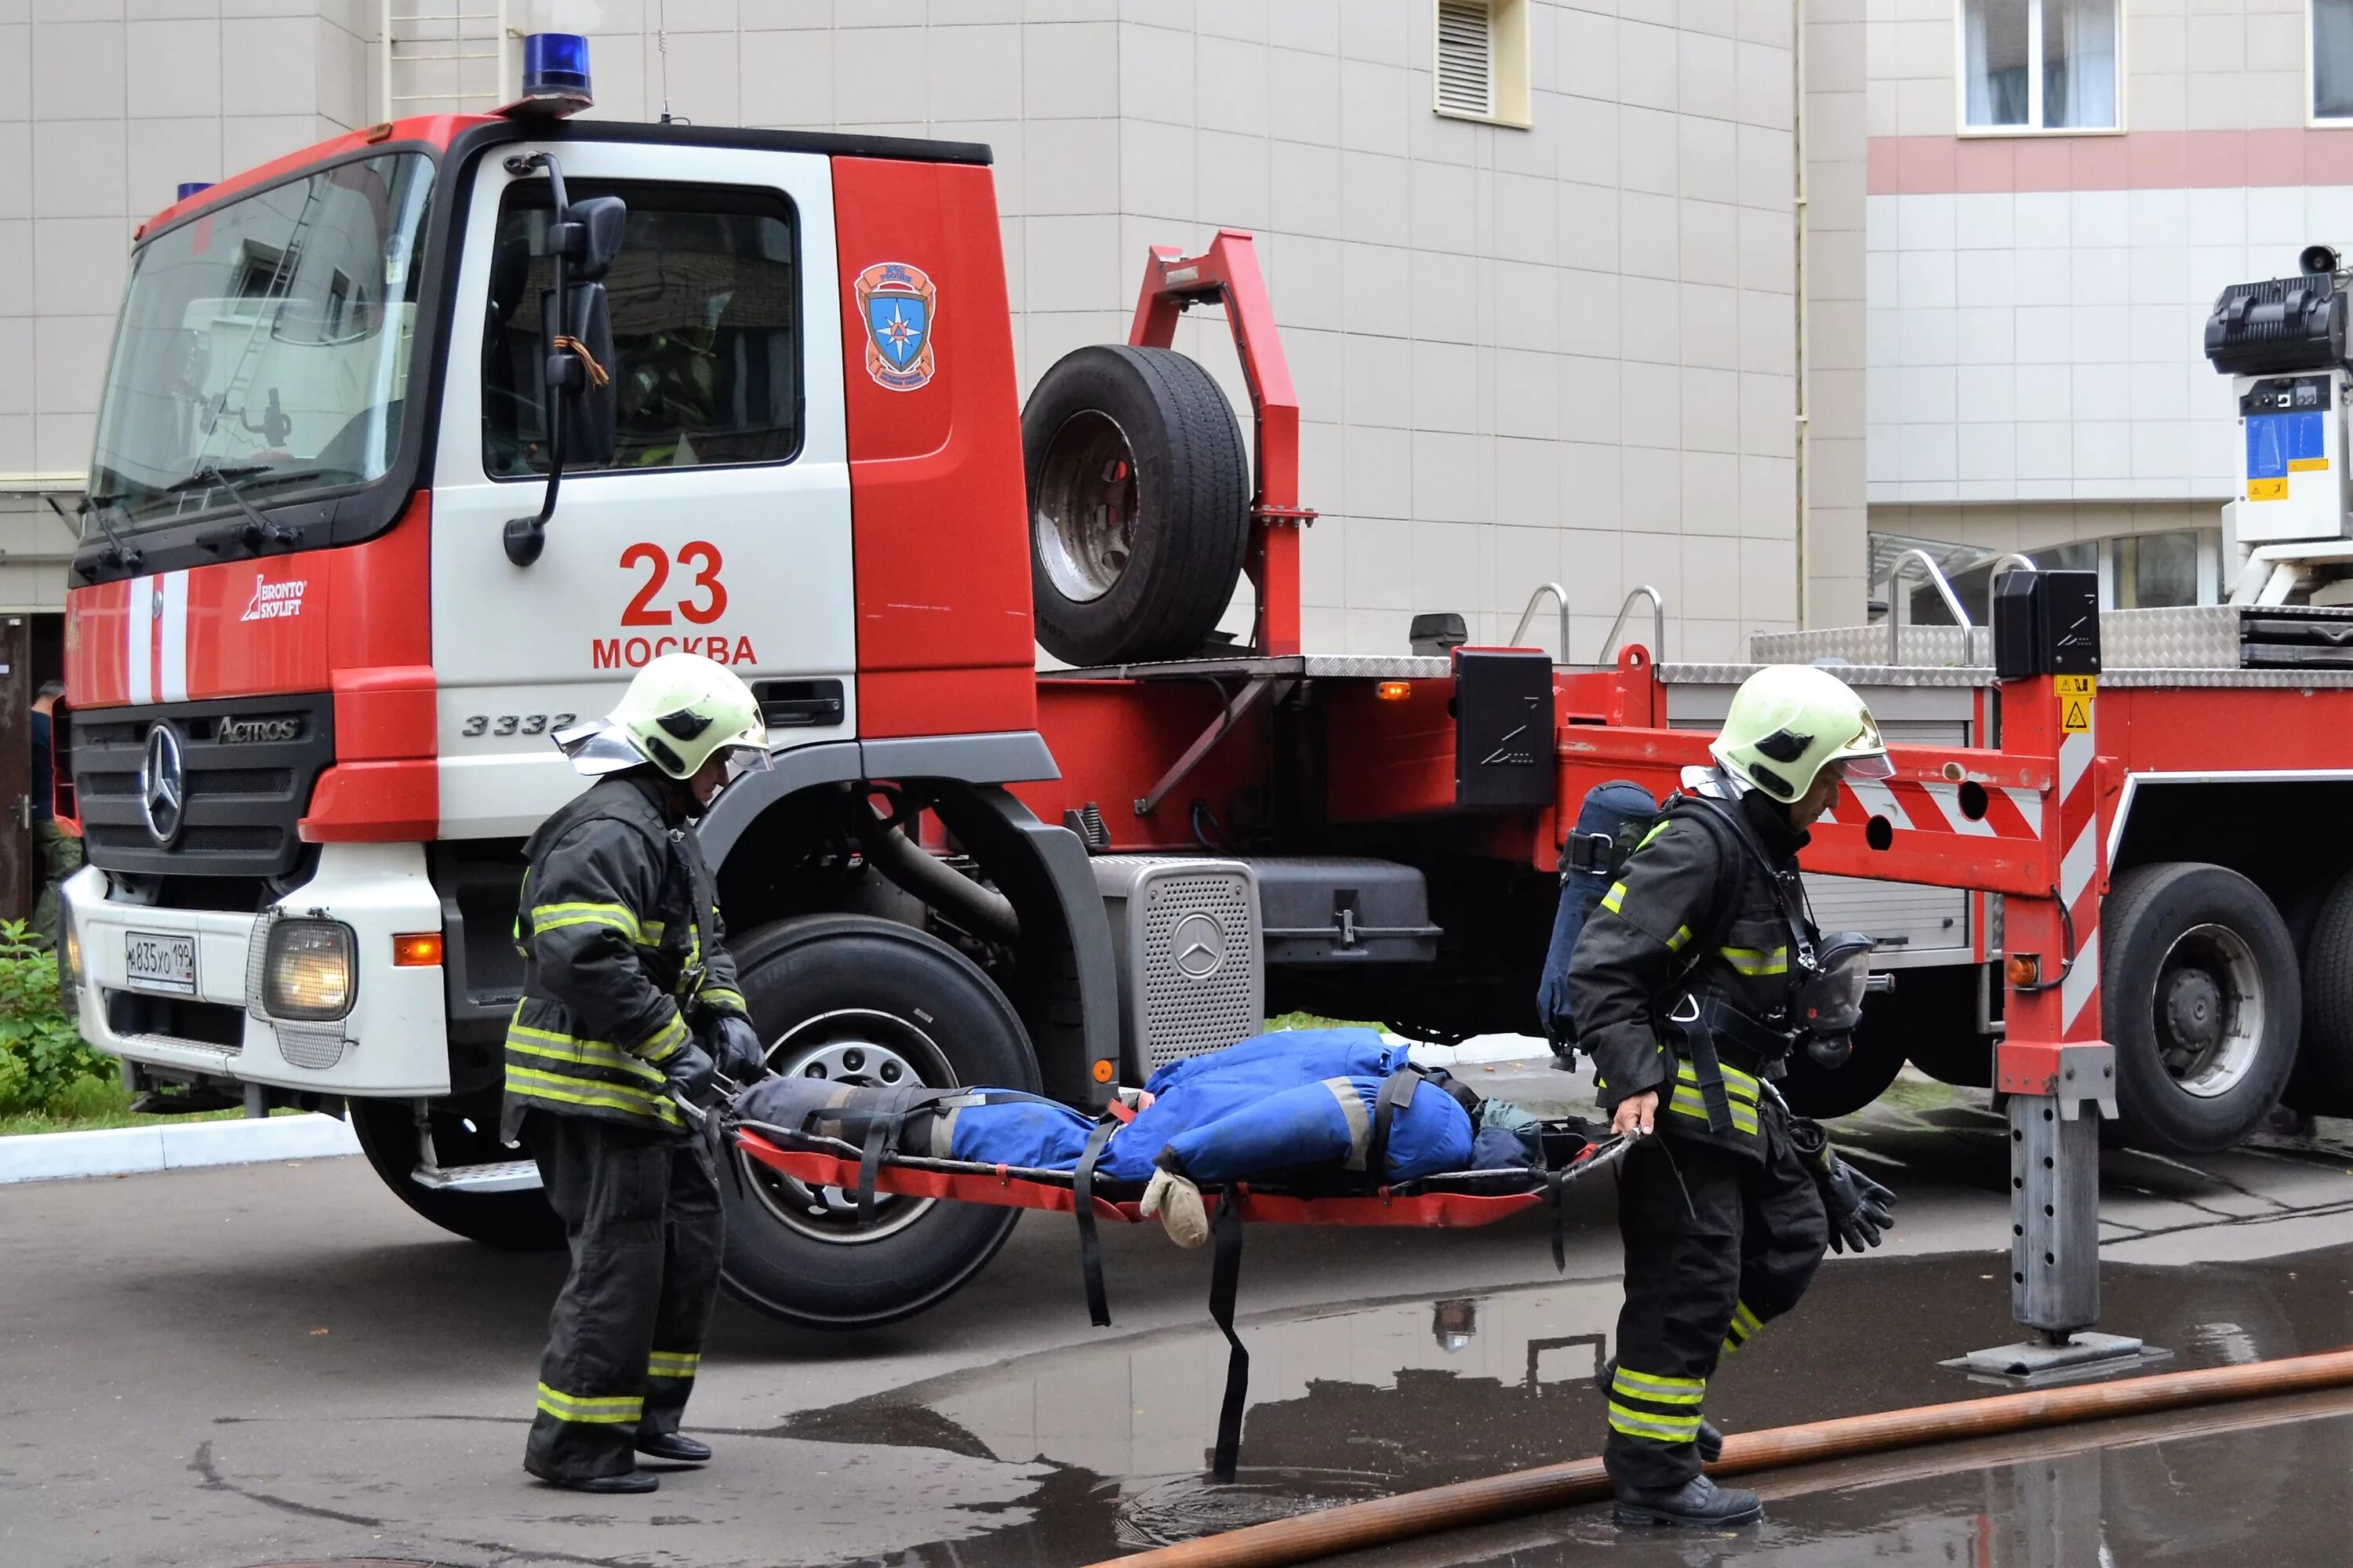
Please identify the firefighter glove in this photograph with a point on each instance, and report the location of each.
(688, 1071)
(736, 1046)
(1859, 1209)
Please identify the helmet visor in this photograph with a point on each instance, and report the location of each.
(597, 748)
(743, 760)
(1865, 756)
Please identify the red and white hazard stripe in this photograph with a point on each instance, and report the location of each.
(2079, 892)
(155, 639)
(1922, 806)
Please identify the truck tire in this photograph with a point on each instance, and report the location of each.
(858, 999)
(1933, 1013)
(1820, 1092)
(1139, 504)
(511, 1222)
(2201, 998)
(2322, 1083)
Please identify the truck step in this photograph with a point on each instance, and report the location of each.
(498, 1176)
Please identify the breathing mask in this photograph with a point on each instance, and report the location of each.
(1829, 1001)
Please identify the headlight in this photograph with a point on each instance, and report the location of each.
(307, 972)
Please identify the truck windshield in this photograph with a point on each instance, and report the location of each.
(266, 345)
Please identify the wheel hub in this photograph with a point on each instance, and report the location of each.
(2209, 1010)
(2193, 1008)
(1086, 513)
(861, 1049)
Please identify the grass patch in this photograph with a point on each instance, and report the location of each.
(89, 1105)
(1316, 1021)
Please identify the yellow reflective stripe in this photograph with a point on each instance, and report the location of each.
(1614, 897)
(1731, 1347)
(535, 1084)
(570, 1048)
(1651, 1385)
(1737, 1084)
(1686, 1102)
(672, 1363)
(664, 1042)
(720, 996)
(1675, 943)
(604, 1410)
(652, 930)
(1755, 961)
(1651, 836)
(1745, 1321)
(553, 916)
(1663, 1429)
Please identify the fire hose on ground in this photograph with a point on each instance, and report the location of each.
(1356, 1526)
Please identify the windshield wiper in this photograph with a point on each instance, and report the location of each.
(118, 553)
(256, 531)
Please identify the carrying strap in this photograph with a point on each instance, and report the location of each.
(1225, 1282)
(1556, 1183)
(1082, 1194)
(1397, 1092)
(1699, 1045)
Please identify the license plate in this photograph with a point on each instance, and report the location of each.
(151, 962)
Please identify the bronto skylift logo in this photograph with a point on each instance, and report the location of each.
(275, 601)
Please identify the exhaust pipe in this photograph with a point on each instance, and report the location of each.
(916, 870)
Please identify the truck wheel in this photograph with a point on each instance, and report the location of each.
(1813, 1090)
(860, 1000)
(467, 1135)
(2199, 996)
(2322, 1083)
(1139, 504)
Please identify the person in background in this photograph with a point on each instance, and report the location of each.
(60, 850)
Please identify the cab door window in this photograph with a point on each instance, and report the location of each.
(706, 330)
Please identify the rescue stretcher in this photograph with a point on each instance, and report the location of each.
(1460, 1199)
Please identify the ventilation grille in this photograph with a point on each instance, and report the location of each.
(317, 1046)
(1185, 1013)
(1466, 58)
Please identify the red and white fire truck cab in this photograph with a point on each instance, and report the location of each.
(331, 603)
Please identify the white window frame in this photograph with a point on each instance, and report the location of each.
(2034, 126)
(2313, 118)
(1507, 44)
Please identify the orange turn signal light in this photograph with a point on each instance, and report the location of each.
(418, 949)
(2023, 972)
(1393, 691)
(1103, 1070)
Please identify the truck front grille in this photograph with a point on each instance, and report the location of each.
(241, 797)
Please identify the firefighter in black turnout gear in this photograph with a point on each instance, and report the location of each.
(629, 999)
(1697, 973)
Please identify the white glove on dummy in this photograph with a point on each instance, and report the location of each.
(1176, 1203)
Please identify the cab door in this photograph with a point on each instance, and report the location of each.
(721, 523)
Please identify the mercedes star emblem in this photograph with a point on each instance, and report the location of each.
(1199, 943)
(163, 784)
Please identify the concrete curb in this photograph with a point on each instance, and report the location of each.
(171, 1146)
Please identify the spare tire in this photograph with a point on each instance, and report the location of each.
(1139, 504)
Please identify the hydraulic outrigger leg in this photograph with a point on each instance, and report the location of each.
(2053, 1070)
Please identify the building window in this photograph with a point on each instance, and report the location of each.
(1479, 68)
(2152, 571)
(2043, 65)
(2332, 59)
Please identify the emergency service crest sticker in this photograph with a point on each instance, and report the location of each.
(899, 306)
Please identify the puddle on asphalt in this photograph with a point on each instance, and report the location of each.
(1348, 1404)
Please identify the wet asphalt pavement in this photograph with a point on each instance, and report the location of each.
(273, 1365)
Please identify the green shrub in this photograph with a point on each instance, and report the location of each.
(42, 1056)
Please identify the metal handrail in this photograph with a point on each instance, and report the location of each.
(2011, 561)
(1560, 597)
(1944, 590)
(1658, 625)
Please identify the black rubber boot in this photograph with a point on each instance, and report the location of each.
(1701, 1504)
(684, 1450)
(628, 1481)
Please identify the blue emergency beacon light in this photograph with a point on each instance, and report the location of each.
(554, 76)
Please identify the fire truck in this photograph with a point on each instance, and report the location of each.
(414, 444)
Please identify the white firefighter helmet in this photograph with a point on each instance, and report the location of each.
(679, 710)
(1788, 722)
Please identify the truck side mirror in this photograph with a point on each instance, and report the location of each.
(580, 372)
(599, 220)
